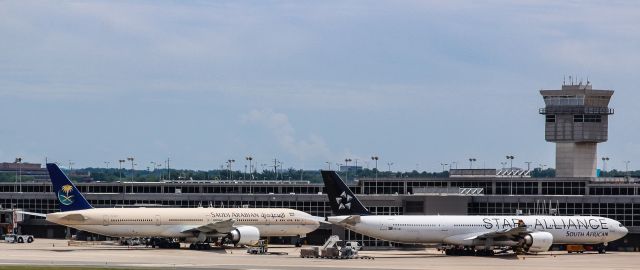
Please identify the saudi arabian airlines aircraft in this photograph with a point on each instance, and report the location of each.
(469, 235)
(241, 226)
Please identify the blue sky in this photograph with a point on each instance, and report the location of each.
(417, 83)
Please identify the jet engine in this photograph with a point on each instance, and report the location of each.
(537, 242)
(245, 235)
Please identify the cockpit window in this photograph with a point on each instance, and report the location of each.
(620, 225)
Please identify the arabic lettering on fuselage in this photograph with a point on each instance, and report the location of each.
(548, 224)
(247, 215)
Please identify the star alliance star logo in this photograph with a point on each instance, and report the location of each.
(344, 201)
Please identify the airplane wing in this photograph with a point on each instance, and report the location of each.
(504, 233)
(223, 226)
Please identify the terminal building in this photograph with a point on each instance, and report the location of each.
(575, 191)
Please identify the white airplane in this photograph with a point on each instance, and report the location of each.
(466, 235)
(195, 225)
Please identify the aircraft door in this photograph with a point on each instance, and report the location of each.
(442, 226)
(387, 224)
(105, 220)
(158, 222)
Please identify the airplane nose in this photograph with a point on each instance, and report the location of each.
(624, 231)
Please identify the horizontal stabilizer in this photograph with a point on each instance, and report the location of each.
(31, 214)
(344, 220)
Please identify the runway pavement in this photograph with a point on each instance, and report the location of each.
(57, 252)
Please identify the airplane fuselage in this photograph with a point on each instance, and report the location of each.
(459, 230)
(173, 222)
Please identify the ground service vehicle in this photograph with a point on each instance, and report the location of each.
(18, 238)
(332, 250)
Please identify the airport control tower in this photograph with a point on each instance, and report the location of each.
(576, 119)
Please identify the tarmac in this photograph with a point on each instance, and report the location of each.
(48, 252)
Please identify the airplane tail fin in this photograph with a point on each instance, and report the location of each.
(68, 196)
(342, 200)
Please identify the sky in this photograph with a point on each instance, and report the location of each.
(416, 83)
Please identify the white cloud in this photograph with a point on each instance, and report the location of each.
(311, 147)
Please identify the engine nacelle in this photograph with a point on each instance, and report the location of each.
(537, 242)
(245, 235)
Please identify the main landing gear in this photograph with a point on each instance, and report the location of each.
(468, 251)
(200, 246)
(163, 243)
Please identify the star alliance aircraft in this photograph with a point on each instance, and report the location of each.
(466, 235)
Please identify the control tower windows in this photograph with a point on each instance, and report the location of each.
(551, 118)
(588, 118)
(569, 100)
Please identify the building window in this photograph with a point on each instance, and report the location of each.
(589, 118)
(593, 118)
(551, 118)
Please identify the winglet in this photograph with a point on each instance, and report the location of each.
(68, 196)
(341, 199)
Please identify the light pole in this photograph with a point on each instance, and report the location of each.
(158, 166)
(346, 162)
(132, 171)
(528, 165)
(510, 158)
(443, 164)
(229, 163)
(250, 159)
(275, 167)
(328, 164)
(455, 164)
(168, 169)
(19, 173)
(471, 160)
(375, 158)
(389, 164)
(604, 164)
(626, 167)
(281, 164)
(355, 174)
(244, 176)
(120, 161)
(107, 163)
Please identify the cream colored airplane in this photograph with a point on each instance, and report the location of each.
(241, 226)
